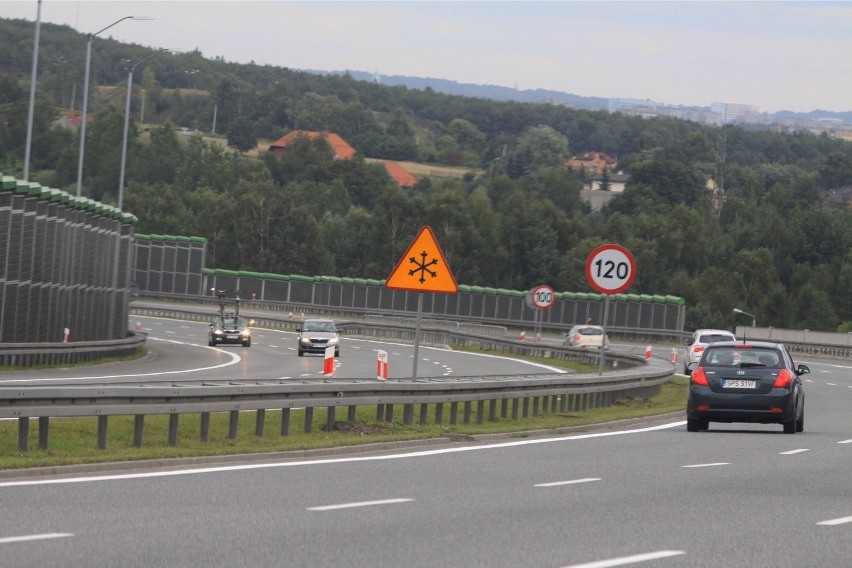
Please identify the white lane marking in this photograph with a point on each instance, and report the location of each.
(831, 384)
(360, 504)
(569, 482)
(234, 360)
(707, 464)
(253, 466)
(845, 441)
(624, 560)
(29, 537)
(833, 522)
(791, 452)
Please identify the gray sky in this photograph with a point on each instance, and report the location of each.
(775, 55)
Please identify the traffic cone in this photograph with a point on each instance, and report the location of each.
(674, 354)
(648, 351)
(523, 336)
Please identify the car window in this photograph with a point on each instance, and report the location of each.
(591, 331)
(711, 337)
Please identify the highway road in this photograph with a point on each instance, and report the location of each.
(647, 494)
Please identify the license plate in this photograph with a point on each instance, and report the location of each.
(738, 384)
(232, 336)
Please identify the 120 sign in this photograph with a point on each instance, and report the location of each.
(610, 269)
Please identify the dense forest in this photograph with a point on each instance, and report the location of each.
(773, 247)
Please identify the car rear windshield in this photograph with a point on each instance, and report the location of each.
(742, 357)
(590, 331)
(711, 337)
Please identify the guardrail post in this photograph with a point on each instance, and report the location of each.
(467, 412)
(24, 434)
(454, 412)
(350, 415)
(329, 419)
(439, 412)
(388, 413)
(102, 432)
(526, 407)
(545, 402)
(259, 422)
(492, 410)
(233, 423)
(515, 403)
(407, 414)
(43, 428)
(504, 408)
(424, 413)
(285, 421)
(480, 411)
(174, 419)
(563, 402)
(138, 425)
(309, 419)
(205, 427)
(380, 413)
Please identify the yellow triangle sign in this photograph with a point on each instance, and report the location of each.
(423, 267)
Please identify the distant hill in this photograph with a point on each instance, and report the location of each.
(497, 93)
(492, 92)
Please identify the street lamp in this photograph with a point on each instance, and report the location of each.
(752, 316)
(86, 97)
(127, 123)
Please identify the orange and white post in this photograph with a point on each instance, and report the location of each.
(382, 366)
(328, 363)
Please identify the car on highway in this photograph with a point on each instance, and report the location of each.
(592, 336)
(699, 341)
(317, 334)
(229, 328)
(753, 381)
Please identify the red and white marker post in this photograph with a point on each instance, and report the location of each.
(328, 364)
(382, 366)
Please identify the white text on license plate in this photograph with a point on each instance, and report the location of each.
(738, 384)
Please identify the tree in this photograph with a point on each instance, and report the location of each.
(543, 146)
(241, 135)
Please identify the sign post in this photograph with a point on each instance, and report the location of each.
(610, 269)
(422, 268)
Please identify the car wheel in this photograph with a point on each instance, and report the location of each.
(247, 343)
(301, 353)
(696, 424)
(800, 421)
(337, 352)
(790, 427)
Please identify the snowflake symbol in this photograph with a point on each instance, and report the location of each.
(422, 267)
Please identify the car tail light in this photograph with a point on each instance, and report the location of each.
(776, 410)
(578, 337)
(697, 349)
(699, 378)
(703, 407)
(784, 380)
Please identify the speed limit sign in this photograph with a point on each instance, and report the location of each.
(610, 269)
(541, 297)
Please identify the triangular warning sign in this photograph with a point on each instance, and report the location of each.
(423, 267)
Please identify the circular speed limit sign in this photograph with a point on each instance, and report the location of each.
(610, 269)
(542, 297)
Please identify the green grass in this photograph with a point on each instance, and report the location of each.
(74, 440)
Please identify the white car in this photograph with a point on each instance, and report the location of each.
(587, 336)
(696, 345)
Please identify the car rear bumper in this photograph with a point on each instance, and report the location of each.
(704, 404)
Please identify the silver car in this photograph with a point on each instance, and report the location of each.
(317, 334)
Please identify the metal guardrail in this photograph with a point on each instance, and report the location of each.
(553, 393)
(70, 353)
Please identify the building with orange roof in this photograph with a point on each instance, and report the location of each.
(592, 162)
(342, 150)
(399, 174)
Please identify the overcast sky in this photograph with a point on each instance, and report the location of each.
(774, 55)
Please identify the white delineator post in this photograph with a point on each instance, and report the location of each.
(382, 366)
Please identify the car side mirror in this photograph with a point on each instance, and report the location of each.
(299, 328)
(687, 341)
(803, 370)
(689, 368)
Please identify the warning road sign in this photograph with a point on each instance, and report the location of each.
(423, 267)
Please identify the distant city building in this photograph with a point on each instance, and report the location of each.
(734, 112)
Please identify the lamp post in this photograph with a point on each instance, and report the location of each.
(86, 96)
(127, 124)
(752, 316)
(30, 113)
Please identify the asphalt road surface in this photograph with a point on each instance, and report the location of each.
(647, 494)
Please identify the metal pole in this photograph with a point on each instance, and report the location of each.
(603, 341)
(83, 116)
(124, 143)
(32, 95)
(417, 335)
